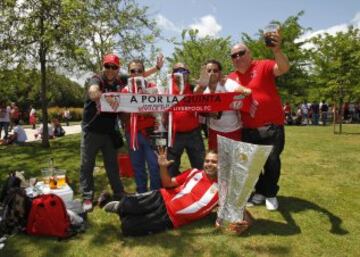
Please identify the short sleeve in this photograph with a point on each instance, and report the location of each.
(180, 179)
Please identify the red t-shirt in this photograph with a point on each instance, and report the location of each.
(261, 80)
(143, 121)
(193, 199)
(184, 121)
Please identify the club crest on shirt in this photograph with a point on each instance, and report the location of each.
(113, 101)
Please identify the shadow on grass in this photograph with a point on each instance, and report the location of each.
(290, 205)
(49, 246)
(180, 242)
(176, 243)
(347, 133)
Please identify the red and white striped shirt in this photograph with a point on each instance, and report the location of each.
(194, 198)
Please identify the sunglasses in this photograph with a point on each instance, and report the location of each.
(113, 67)
(238, 54)
(136, 71)
(181, 70)
(213, 70)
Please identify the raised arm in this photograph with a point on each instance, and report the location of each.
(282, 63)
(164, 163)
(157, 67)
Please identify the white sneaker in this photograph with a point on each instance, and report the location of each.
(87, 205)
(272, 203)
(257, 199)
(249, 204)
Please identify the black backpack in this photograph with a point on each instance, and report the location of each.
(15, 206)
(12, 182)
(15, 211)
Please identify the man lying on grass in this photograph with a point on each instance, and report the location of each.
(183, 199)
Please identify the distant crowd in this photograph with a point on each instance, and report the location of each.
(320, 113)
(12, 118)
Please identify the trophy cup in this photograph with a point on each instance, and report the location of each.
(159, 136)
(239, 169)
(178, 80)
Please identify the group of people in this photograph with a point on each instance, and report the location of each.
(14, 133)
(318, 113)
(10, 121)
(55, 129)
(307, 113)
(178, 198)
(8, 116)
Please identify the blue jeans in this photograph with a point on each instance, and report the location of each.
(315, 119)
(144, 154)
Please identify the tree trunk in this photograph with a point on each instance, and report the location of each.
(43, 98)
(341, 114)
(334, 117)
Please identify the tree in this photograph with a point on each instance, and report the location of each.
(195, 51)
(120, 26)
(39, 32)
(22, 86)
(336, 65)
(70, 35)
(296, 82)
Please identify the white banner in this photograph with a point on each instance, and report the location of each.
(136, 103)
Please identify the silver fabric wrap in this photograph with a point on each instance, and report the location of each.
(240, 165)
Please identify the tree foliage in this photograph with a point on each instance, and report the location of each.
(195, 51)
(22, 86)
(296, 83)
(69, 35)
(120, 26)
(336, 64)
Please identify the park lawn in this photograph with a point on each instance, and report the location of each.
(319, 210)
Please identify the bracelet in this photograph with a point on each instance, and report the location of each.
(157, 67)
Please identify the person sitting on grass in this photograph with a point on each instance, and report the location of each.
(183, 199)
(58, 130)
(18, 137)
(39, 131)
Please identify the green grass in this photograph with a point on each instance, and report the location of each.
(319, 210)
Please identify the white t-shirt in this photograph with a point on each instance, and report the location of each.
(5, 114)
(20, 132)
(304, 108)
(229, 121)
(50, 130)
(32, 111)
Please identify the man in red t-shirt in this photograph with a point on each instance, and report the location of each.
(266, 127)
(185, 198)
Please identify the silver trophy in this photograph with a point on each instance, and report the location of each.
(239, 168)
(159, 136)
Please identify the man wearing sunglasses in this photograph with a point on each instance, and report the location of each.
(266, 127)
(143, 154)
(186, 129)
(99, 129)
